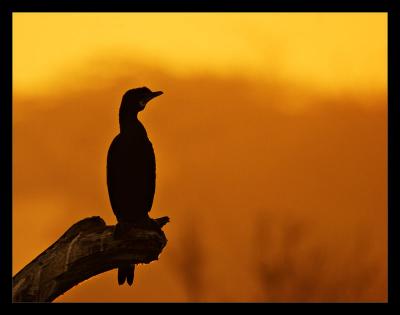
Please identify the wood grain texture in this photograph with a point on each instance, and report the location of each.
(86, 249)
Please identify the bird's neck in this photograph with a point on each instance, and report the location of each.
(131, 125)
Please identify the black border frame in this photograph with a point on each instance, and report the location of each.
(7, 7)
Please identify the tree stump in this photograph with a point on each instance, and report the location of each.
(86, 249)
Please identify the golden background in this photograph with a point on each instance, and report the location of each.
(270, 140)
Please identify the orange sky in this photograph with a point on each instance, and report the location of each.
(316, 48)
(270, 142)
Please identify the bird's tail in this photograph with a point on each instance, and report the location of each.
(126, 272)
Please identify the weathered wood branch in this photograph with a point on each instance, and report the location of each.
(86, 249)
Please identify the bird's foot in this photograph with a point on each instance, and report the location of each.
(149, 223)
(146, 223)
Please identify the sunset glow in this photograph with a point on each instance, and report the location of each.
(270, 141)
(328, 50)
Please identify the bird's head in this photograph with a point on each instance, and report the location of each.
(134, 101)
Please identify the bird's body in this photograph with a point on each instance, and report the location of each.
(131, 174)
(131, 171)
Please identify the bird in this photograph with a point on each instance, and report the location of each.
(131, 172)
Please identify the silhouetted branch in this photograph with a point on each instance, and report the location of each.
(86, 249)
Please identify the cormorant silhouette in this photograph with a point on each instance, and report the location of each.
(131, 171)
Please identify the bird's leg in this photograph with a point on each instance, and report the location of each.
(121, 229)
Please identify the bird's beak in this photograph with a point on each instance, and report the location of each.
(155, 94)
(151, 96)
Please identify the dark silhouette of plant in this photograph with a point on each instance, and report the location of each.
(190, 261)
(296, 267)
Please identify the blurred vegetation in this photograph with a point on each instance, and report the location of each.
(276, 192)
